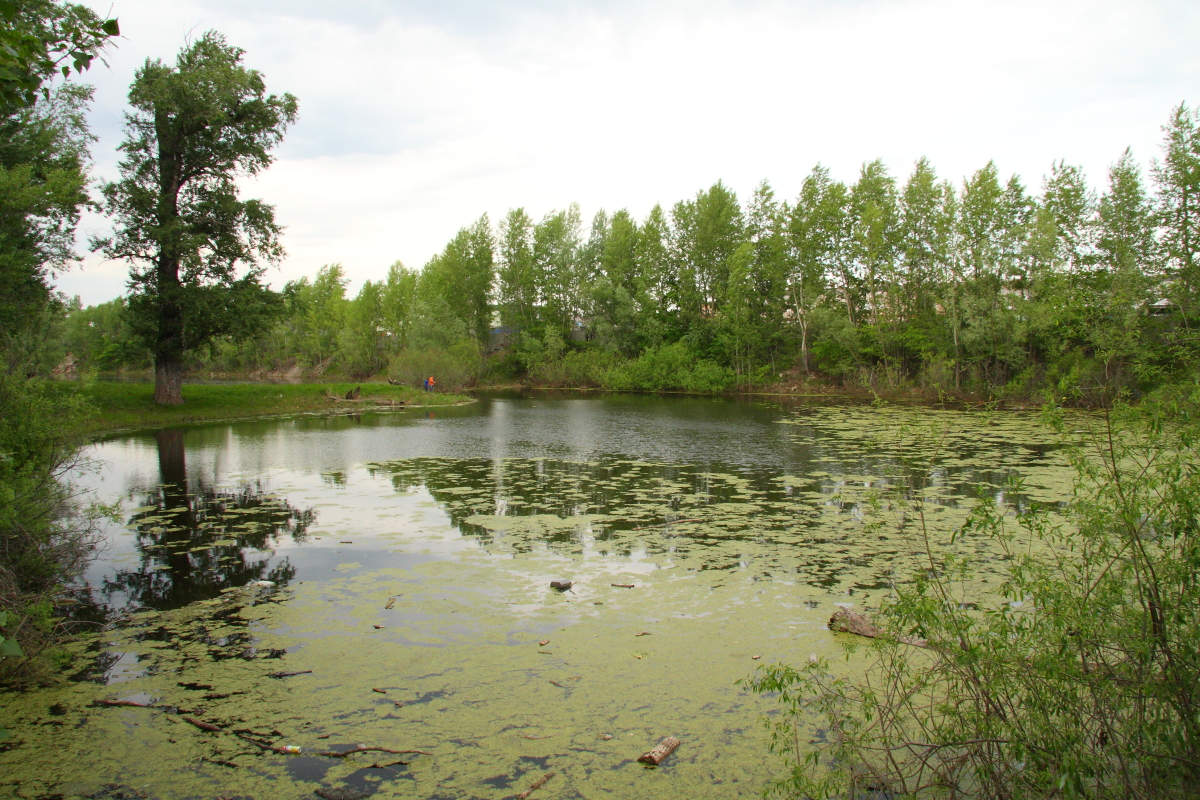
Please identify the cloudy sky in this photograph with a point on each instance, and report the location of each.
(416, 117)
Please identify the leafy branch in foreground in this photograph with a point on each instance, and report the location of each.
(39, 38)
(1078, 678)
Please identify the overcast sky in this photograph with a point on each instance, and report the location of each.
(417, 117)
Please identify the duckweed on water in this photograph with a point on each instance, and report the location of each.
(442, 655)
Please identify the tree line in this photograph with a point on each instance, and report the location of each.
(985, 286)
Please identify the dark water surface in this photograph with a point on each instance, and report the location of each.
(405, 559)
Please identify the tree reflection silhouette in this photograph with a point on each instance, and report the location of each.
(195, 541)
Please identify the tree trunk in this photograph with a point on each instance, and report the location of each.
(804, 343)
(168, 350)
(168, 382)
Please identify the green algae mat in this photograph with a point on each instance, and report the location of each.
(353, 608)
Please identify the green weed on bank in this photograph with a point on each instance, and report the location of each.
(1079, 677)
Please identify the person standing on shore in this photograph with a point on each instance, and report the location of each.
(431, 383)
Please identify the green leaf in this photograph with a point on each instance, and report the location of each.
(111, 27)
(3, 618)
(9, 647)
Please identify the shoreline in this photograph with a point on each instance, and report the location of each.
(837, 394)
(120, 407)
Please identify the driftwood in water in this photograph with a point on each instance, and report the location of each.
(660, 751)
(846, 621)
(562, 586)
(622, 585)
(360, 749)
(539, 783)
(204, 726)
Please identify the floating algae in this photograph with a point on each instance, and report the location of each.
(730, 561)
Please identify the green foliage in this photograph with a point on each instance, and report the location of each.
(43, 180)
(1075, 678)
(100, 337)
(195, 128)
(455, 367)
(982, 289)
(673, 367)
(40, 38)
(47, 531)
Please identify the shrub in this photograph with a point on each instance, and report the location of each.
(1079, 678)
(670, 367)
(577, 369)
(47, 534)
(456, 367)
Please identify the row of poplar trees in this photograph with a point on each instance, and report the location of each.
(982, 284)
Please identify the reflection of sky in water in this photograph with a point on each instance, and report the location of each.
(654, 482)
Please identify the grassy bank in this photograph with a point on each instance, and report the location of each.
(120, 406)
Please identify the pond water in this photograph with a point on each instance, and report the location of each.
(383, 581)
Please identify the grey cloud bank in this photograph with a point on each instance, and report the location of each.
(418, 117)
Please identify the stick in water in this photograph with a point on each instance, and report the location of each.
(539, 783)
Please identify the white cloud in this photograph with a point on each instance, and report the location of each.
(416, 118)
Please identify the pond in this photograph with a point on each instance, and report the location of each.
(276, 593)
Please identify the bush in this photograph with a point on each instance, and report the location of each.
(670, 367)
(47, 535)
(1080, 678)
(454, 368)
(578, 369)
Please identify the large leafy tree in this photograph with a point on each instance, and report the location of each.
(516, 279)
(195, 128)
(462, 276)
(1178, 179)
(43, 160)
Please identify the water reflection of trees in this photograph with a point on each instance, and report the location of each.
(715, 516)
(630, 494)
(193, 540)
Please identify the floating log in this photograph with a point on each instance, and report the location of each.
(289, 674)
(562, 586)
(202, 725)
(660, 752)
(622, 585)
(846, 621)
(539, 783)
(121, 703)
